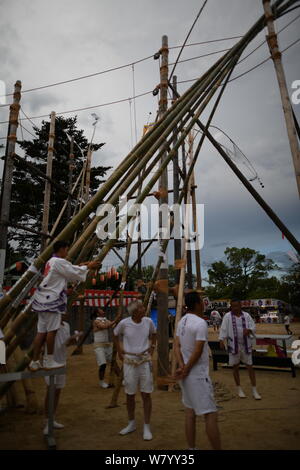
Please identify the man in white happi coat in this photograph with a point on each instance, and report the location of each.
(237, 329)
(135, 341)
(191, 350)
(50, 301)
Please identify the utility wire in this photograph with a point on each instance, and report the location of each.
(247, 71)
(82, 77)
(149, 92)
(133, 63)
(188, 35)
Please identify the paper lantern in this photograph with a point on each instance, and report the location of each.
(108, 274)
(102, 277)
(116, 275)
(94, 281)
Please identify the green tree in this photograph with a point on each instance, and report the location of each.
(290, 286)
(28, 190)
(244, 272)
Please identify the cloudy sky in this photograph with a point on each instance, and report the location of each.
(44, 43)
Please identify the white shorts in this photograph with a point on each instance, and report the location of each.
(198, 394)
(241, 356)
(135, 376)
(59, 380)
(48, 322)
(103, 355)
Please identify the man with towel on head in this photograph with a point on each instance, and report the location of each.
(237, 329)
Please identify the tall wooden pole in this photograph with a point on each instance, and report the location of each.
(189, 265)
(47, 195)
(286, 104)
(88, 175)
(163, 291)
(71, 168)
(195, 229)
(8, 174)
(177, 242)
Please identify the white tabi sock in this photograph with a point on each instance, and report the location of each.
(240, 392)
(256, 395)
(129, 428)
(147, 436)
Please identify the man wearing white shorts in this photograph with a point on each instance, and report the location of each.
(62, 340)
(191, 350)
(50, 301)
(135, 349)
(102, 346)
(237, 329)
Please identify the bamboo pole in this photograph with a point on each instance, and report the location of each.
(195, 228)
(47, 194)
(180, 300)
(8, 175)
(189, 265)
(71, 168)
(286, 104)
(177, 243)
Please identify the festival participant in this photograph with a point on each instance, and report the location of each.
(191, 349)
(287, 322)
(237, 327)
(136, 351)
(62, 340)
(102, 346)
(216, 319)
(50, 301)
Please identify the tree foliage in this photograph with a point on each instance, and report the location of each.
(244, 273)
(28, 189)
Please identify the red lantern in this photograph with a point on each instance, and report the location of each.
(116, 275)
(108, 275)
(102, 278)
(94, 281)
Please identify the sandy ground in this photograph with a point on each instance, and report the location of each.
(269, 424)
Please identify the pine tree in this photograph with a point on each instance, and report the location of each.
(28, 189)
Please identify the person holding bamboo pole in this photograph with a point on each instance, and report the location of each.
(191, 350)
(102, 346)
(135, 351)
(63, 339)
(50, 301)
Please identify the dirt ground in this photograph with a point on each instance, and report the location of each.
(270, 424)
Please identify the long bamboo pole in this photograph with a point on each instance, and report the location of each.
(47, 194)
(286, 104)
